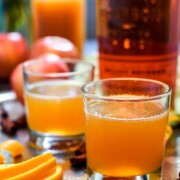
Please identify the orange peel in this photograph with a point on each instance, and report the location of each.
(169, 132)
(13, 147)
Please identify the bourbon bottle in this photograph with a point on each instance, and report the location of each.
(138, 38)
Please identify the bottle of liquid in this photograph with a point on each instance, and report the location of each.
(138, 38)
(64, 18)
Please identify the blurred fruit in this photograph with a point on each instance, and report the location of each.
(56, 45)
(51, 63)
(13, 50)
(16, 81)
(169, 132)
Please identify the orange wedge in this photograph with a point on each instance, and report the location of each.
(57, 175)
(38, 172)
(16, 169)
(13, 147)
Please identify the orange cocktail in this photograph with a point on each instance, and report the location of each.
(127, 142)
(64, 18)
(54, 103)
(55, 107)
(126, 121)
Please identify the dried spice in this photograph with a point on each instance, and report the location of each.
(79, 160)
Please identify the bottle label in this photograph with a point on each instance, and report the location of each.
(159, 67)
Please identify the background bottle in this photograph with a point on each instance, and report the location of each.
(138, 38)
(60, 18)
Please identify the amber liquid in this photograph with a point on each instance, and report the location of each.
(138, 39)
(56, 108)
(125, 138)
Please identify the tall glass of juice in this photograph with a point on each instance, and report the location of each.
(64, 18)
(126, 121)
(54, 104)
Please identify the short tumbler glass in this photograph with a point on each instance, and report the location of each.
(54, 103)
(126, 121)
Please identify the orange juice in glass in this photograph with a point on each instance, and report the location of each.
(129, 117)
(54, 105)
(64, 101)
(64, 18)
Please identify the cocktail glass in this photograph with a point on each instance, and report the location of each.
(54, 103)
(126, 121)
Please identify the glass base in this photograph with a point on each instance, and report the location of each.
(55, 144)
(93, 175)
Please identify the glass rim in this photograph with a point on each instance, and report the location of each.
(58, 74)
(118, 98)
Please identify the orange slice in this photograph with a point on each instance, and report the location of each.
(16, 169)
(38, 172)
(57, 175)
(13, 147)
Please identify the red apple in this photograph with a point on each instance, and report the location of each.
(56, 45)
(50, 63)
(16, 82)
(13, 50)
